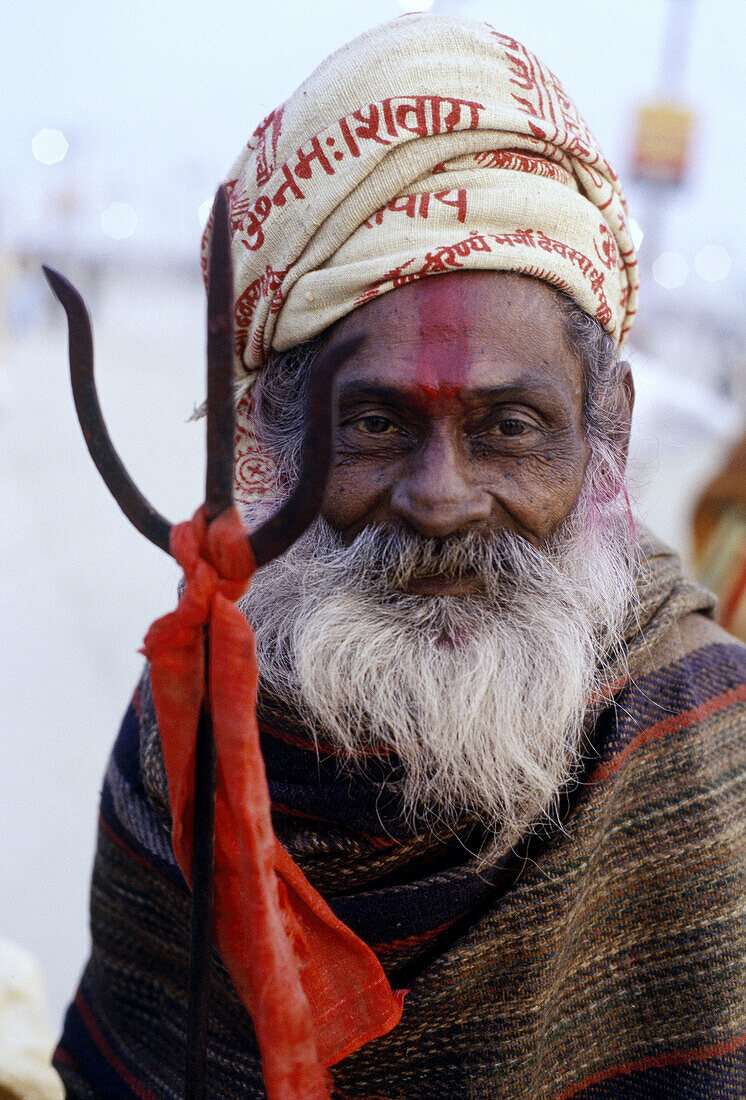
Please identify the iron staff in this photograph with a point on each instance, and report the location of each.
(270, 540)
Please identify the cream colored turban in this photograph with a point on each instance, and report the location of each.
(426, 145)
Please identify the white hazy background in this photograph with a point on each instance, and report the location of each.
(155, 101)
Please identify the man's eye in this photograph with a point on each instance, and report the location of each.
(374, 425)
(511, 427)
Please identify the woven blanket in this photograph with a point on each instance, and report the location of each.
(603, 958)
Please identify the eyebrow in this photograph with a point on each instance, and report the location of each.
(361, 390)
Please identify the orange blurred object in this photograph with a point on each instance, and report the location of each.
(662, 145)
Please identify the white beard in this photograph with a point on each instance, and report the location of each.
(481, 697)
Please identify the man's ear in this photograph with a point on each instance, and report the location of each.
(621, 406)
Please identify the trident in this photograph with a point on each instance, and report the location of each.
(269, 541)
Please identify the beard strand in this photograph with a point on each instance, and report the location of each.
(481, 697)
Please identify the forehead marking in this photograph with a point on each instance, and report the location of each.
(441, 364)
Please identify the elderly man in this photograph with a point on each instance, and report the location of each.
(503, 738)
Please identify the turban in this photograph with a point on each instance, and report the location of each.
(427, 145)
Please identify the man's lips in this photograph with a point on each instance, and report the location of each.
(440, 584)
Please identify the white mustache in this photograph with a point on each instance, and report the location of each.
(385, 558)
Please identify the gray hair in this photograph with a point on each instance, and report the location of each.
(602, 365)
(284, 386)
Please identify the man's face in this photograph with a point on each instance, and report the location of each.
(472, 570)
(461, 412)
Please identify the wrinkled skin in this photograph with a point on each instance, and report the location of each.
(461, 411)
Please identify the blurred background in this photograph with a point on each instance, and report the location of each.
(118, 122)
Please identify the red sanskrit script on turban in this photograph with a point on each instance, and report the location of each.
(523, 162)
(450, 257)
(553, 114)
(266, 285)
(266, 161)
(609, 253)
(421, 116)
(419, 205)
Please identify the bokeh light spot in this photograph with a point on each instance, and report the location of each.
(203, 212)
(636, 233)
(712, 262)
(49, 146)
(670, 270)
(119, 220)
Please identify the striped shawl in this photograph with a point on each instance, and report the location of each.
(602, 959)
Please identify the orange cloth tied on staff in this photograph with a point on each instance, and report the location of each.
(314, 990)
(427, 145)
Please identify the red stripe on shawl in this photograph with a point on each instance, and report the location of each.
(288, 811)
(655, 1061)
(607, 692)
(322, 748)
(339, 1095)
(279, 808)
(143, 862)
(95, 1033)
(420, 937)
(62, 1055)
(379, 841)
(668, 725)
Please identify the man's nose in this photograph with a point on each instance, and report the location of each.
(437, 494)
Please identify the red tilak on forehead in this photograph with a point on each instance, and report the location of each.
(440, 368)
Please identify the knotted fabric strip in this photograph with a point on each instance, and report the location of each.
(314, 990)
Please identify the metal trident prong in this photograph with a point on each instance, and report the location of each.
(270, 540)
(281, 530)
(136, 508)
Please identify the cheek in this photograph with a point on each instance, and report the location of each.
(540, 491)
(354, 496)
